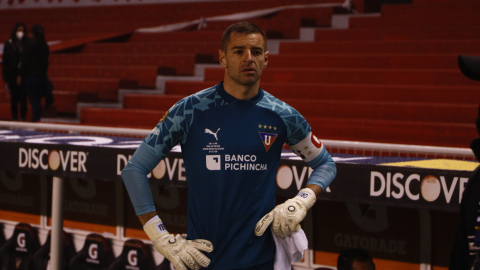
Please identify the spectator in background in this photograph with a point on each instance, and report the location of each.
(33, 69)
(12, 53)
(465, 254)
(355, 259)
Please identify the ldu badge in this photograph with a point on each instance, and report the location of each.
(267, 139)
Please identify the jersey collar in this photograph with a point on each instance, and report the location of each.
(229, 98)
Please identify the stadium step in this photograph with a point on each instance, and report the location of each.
(134, 13)
(178, 36)
(165, 47)
(87, 22)
(390, 111)
(399, 33)
(414, 21)
(106, 89)
(3, 97)
(398, 61)
(102, 15)
(145, 76)
(150, 102)
(134, 118)
(276, 28)
(468, 46)
(6, 115)
(66, 102)
(405, 111)
(349, 92)
(402, 132)
(439, 77)
(179, 64)
(396, 84)
(440, 8)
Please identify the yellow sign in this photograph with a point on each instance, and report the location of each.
(442, 164)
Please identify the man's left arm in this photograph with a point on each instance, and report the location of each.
(286, 217)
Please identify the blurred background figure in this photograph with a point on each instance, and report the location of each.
(12, 53)
(465, 253)
(355, 259)
(33, 69)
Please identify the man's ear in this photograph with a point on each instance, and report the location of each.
(266, 60)
(222, 59)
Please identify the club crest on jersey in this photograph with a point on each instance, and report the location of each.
(267, 139)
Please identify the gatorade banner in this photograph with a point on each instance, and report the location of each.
(403, 238)
(90, 204)
(389, 233)
(22, 197)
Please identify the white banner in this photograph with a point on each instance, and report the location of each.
(19, 4)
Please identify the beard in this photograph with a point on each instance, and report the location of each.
(248, 80)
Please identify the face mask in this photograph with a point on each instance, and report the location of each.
(20, 35)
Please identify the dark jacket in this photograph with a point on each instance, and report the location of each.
(12, 53)
(34, 61)
(460, 258)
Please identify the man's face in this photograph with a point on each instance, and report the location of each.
(244, 59)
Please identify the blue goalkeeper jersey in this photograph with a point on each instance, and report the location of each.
(231, 150)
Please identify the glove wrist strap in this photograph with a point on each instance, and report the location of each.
(153, 219)
(307, 196)
(154, 228)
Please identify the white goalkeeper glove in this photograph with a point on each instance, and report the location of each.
(286, 217)
(177, 250)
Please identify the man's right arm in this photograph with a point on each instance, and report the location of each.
(135, 179)
(146, 217)
(179, 251)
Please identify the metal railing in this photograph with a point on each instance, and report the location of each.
(333, 146)
(397, 150)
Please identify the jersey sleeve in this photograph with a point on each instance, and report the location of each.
(307, 146)
(169, 131)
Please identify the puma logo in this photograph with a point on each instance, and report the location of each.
(211, 132)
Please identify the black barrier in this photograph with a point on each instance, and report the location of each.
(356, 181)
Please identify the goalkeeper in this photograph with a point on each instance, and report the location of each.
(231, 136)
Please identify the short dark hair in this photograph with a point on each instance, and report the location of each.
(13, 36)
(346, 258)
(37, 32)
(242, 28)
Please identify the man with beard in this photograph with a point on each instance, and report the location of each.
(231, 136)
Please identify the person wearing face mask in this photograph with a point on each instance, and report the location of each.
(13, 51)
(33, 69)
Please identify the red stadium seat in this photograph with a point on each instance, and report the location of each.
(2, 236)
(96, 254)
(134, 254)
(41, 258)
(17, 252)
(165, 265)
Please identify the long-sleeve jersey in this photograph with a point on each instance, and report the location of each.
(231, 150)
